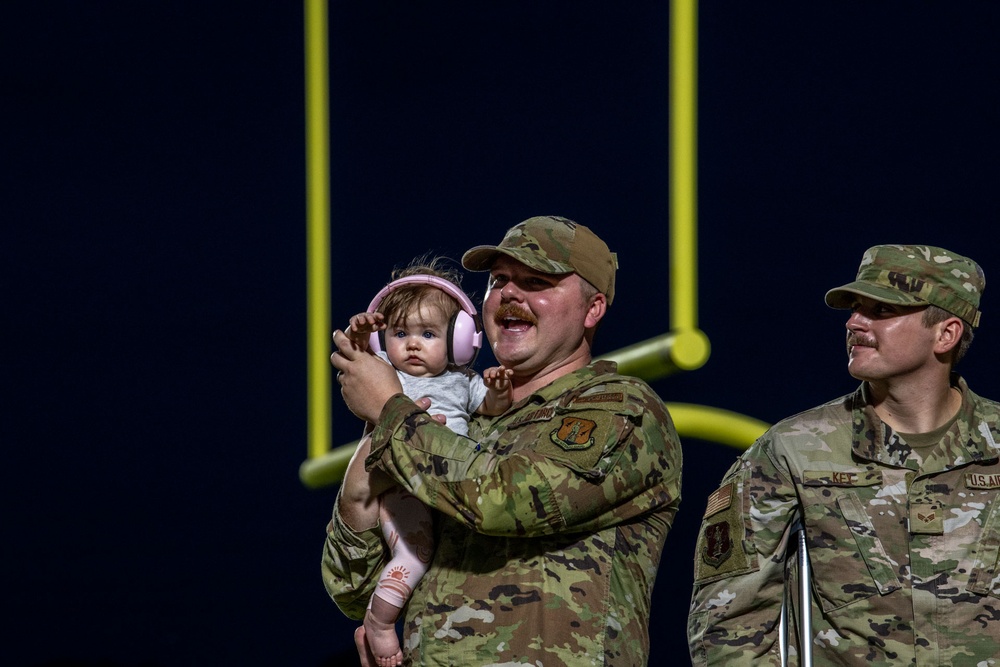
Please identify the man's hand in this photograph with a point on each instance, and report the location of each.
(425, 405)
(366, 382)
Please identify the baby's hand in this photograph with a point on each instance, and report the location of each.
(499, 391)
(497, 378)
(365, 324)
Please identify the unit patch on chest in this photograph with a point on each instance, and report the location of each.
(574, 433)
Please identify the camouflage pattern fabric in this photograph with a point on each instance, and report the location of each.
(904, 543)
(914, 275)
(552, 244)
(550, 530)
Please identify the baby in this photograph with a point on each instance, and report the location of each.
(426, 327)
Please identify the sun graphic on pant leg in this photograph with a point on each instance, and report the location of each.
(393, 584)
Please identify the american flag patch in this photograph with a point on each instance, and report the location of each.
(720, 499)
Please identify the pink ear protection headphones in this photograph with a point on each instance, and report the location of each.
(465, 333)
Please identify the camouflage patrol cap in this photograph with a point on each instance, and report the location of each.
(552, 244)
(916, 275)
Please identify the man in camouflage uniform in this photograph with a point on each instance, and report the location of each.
(896, 485)
(551, 517)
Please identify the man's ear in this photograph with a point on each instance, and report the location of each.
(949, 335)
(595, 312)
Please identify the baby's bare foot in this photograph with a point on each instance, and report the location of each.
(383, 641)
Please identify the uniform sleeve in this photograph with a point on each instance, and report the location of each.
(594, 463)
(351, 564)
(739, 564)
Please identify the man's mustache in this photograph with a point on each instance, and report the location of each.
(507, 311)
(862, 341)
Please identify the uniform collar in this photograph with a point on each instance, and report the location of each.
(569, 381)
(975, 436)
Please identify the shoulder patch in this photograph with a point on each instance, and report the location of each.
(720, 500)
(718, 543)
(574, 433)
(720, 551)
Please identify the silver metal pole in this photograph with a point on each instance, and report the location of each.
(783, 625)
(805, 601)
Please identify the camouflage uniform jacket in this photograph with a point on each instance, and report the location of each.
(551, 526)
(904, 552)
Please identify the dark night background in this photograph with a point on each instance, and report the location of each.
(153, 261)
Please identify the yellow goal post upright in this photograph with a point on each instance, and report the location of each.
(684, 347)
